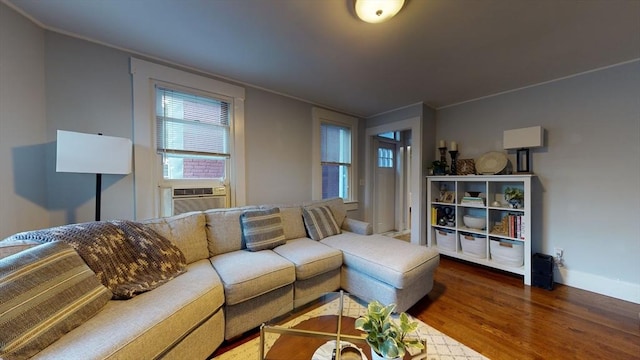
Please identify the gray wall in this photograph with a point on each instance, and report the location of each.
(278, 151)
(23, 142)
(588, 172)
(88, 89)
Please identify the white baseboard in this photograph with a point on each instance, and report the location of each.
(598, 284)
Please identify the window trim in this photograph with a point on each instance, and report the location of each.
(320, 116)
(144, 76)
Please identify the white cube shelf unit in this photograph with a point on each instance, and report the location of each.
(450, 198)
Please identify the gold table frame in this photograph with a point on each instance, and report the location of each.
(337, 336)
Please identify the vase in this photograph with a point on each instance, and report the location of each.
(376, 356)
(515, 203)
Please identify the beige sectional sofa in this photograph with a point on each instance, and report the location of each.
(227, 289)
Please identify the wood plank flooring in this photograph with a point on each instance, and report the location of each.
(497, 315)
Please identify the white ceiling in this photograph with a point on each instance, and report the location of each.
(439, 52)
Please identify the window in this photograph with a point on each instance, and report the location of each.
(192, 135)
(385, 158)
(149, 169)
(335, 153)
(334, 173)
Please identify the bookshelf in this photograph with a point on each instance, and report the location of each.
(504, 242)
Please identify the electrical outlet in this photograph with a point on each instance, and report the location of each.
(559, 261)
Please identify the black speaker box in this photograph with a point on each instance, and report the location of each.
(542, 271)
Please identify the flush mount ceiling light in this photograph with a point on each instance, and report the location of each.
(375, 11)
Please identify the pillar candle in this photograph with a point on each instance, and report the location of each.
(454, 146)
(441, 144)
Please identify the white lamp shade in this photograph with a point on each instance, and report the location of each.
(95, 154)
(375, 11)
(530, 137)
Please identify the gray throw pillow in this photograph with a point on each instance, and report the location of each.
(262, 229)
(47, 291)
(319, 222)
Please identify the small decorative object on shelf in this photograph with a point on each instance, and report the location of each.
(454, 155)
(439, 167)
(514, 196)
(443, 154)
(465, 167)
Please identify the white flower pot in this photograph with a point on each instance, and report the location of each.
(376, 356)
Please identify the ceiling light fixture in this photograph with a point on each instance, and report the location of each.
(376, 11)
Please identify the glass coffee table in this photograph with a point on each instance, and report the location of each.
(311, 331)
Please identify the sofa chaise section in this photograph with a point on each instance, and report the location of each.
(385, 269)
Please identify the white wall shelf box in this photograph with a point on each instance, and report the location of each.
(503, 223)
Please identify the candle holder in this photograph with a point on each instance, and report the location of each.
(454, 156)
(443, 155)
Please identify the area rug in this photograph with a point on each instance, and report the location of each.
(439, 345)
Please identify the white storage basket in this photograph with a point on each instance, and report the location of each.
(474, 245)
(505, 252)
(446, 239)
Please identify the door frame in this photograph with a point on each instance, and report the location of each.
(418, 227)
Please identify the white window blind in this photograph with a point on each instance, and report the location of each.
(193, 133)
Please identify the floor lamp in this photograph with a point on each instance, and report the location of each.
(94, 154)
(522, 140)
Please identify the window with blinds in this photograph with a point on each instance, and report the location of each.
(193, 133)
(335, 156)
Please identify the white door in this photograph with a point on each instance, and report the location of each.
(385, 186)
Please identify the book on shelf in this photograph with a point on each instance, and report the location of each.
(471, 200)
(514, 226)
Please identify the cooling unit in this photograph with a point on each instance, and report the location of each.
(198, 199)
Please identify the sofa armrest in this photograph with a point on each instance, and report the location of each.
(357, 226)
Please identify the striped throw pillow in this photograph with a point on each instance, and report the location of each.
(45, 292)
(319, 222)
(262, 229)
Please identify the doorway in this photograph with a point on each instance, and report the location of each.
(392, 171)
(407, 192)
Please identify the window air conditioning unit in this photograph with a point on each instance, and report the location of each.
(197, 199)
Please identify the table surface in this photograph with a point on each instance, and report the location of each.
(292, 345)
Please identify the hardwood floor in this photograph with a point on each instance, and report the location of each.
(497, 315)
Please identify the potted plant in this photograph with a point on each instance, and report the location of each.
(387, 338)
(439, 167)
(514, 196)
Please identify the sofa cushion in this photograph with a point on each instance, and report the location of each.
(187, 231)
(128, 257)
(335, 204)
(147, 325)
(224, 233)
(311, 258)
(320, 222)
(291, 220)
(395, 262)
(246, 274)
(262, 229)
(45, 292)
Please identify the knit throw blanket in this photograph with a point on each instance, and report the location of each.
(128, 257)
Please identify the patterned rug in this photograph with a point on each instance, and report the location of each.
(439, 345)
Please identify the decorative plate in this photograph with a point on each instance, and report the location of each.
(491, 163)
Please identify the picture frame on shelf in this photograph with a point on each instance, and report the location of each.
(465, 167)
(449, 197)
